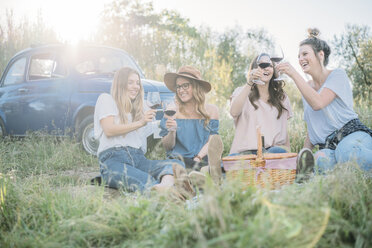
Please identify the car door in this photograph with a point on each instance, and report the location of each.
(46, 99)
(11, 93)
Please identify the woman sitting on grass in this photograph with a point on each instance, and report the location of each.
(260, 102)
(192, 133)
(122, 126)
(328, 109)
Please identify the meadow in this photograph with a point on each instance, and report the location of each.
(47, 201)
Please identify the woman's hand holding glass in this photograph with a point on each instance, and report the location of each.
(286, 68)
(255, 75)
(171, 125)
(170, 110)
(148, 116)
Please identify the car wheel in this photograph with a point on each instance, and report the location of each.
(86, 135)
(2, 129)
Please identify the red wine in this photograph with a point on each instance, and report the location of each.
(155, 106)
(276, 59)
(170, 112)
(264, 65)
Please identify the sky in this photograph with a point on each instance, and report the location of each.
(286, 20)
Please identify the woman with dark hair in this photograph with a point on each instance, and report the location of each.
(122, 125)
(265, 105)
(328, 108)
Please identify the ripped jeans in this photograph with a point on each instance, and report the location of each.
(128, 167)
(356, 146)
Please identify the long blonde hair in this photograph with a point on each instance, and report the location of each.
(119, 91)
(199, 96)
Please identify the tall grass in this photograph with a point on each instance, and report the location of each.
(48, 202)
(331, 211)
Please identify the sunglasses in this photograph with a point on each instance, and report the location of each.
(184, 86)
(264, 65)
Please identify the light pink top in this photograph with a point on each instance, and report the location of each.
(274, 130)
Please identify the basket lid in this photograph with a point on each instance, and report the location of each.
(266, 156)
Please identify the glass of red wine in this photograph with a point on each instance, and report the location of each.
(262, 65)
(276, 57)
(153, 100)
(170, 109)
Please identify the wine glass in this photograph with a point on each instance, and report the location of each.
(170, 109)
(153, 100)
(277, 56)
(262, 65)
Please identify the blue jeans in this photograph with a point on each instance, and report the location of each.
(273, 149)
(128, 167)
(356, 146)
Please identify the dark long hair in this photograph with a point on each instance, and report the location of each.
(276, 92)
(317, 44)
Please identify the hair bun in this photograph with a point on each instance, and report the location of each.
(313, 32)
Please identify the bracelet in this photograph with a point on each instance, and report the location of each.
(197, 156)
(250, 84)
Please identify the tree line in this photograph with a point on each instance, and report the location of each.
(164, 41)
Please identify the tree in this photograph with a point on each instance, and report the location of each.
(17, 36)
(354, 50)
(165, 41)
(156, 40)
(237, 49)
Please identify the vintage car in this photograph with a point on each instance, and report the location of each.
(54, 88)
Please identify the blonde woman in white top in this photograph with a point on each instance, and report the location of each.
(122, 126)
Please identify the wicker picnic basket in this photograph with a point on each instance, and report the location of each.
(269, 170)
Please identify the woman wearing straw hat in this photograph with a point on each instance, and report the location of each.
(192, 133)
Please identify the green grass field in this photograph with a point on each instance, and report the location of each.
(46, 201)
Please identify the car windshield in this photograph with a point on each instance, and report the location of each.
(103, 61)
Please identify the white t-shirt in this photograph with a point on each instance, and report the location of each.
(321, 123)
(105, 107)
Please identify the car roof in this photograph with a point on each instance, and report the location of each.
(66, 46)
(61, 46)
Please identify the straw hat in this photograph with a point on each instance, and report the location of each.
(186, 72)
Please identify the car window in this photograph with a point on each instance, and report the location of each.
(96, 63)
(16, 72)
(46, 66)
